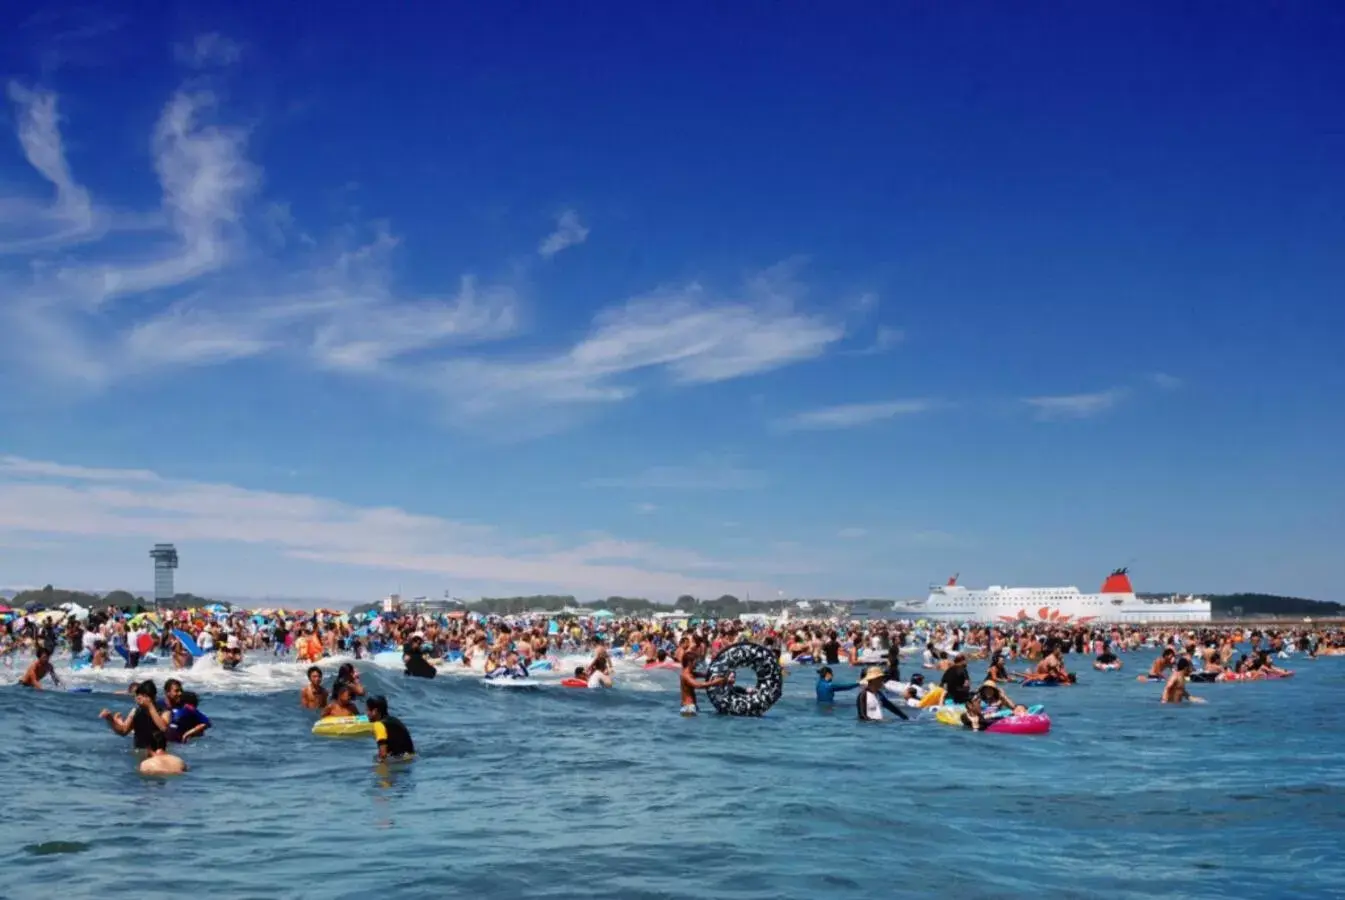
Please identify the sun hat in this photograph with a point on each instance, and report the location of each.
(872, 673)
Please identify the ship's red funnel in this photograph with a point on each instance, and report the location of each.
(1117, 582)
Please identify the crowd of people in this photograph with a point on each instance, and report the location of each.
(514, 647)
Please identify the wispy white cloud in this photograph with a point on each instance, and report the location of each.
(852, 415)
(1165, 381)
(646, 509)
(45, 499)
(190, 299)
(203, 282)
(1076, 406)
(570, 232)
(852, 533)
(706, 475)
(17, 467)
(687, 334)
(70, 215)
(212, 49)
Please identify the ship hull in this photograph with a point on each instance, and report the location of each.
(1060, 605)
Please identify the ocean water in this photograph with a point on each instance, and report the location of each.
(567, 793)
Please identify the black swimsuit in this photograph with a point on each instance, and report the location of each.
(142, 728)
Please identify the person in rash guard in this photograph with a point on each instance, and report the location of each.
(827, 689)
(185, 721)
(394, 741)
(871, 702)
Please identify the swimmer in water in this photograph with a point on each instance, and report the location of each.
(827, 689)
(974, 716)
(343, 703)
(601, 676)
(394, 741)
(347, 675)
(1052, 668)
(185, 721)
(690, 685)
(232, 654)
(1164, 662)
(1175, 690)
(40, 668)
(160, 761)
(997, 671)
(142, 722)
(871, 701)
(413, 658)
(511, 668)
(314, 695)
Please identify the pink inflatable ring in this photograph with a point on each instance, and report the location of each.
(1032, 723)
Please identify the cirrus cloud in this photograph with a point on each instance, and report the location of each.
(96, 297)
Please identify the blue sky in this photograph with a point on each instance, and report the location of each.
(499, 298)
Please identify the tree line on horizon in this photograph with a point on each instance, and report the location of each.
(51, 597)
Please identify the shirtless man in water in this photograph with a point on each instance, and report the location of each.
(1052, 667)
(40, 668)
(1163, 663)
(690, 685)
(1175, 690)
(314, 695)
(160, 761)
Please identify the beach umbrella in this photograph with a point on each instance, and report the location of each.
(5, 609)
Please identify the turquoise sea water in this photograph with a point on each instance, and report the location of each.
(611, 794)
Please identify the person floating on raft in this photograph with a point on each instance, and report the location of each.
(977, 717)
(1106, 660)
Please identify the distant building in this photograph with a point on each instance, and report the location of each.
(165, 562)
(433, 605)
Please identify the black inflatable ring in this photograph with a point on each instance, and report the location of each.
(731, 700)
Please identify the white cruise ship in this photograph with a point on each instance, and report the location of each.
(1116, 602)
